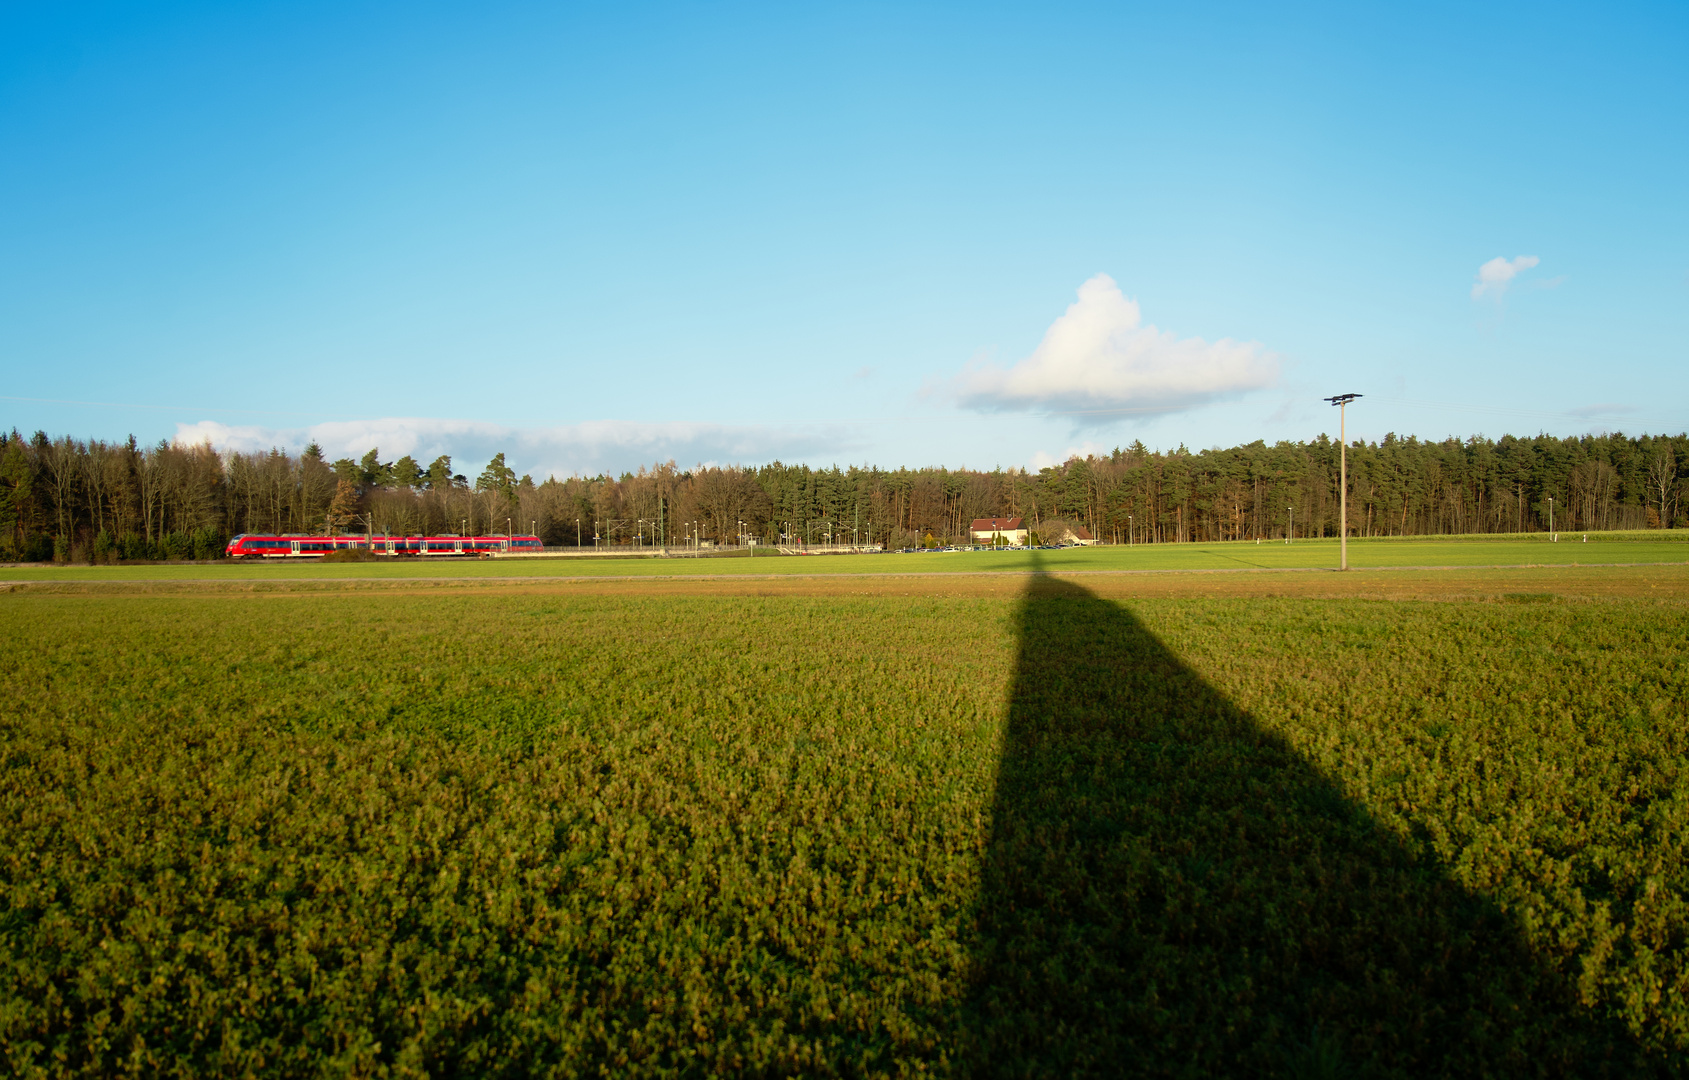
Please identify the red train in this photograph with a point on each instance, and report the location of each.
(247, 546)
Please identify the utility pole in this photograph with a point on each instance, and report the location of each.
(1551, 536)
(1342, 403)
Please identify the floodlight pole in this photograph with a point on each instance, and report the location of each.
(1342, 403)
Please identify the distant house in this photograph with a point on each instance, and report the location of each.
(987, 530)
(1071, 534)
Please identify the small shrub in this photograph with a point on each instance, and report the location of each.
(351, 555)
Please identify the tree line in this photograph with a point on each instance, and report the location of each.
(73, 500)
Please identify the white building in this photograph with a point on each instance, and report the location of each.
(987, 530)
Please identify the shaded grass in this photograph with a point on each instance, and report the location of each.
(1175, 887)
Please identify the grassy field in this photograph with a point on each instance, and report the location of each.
(1302, 555)
(1419, 823)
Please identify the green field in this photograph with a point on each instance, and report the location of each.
(974, 826)
(1303, 554)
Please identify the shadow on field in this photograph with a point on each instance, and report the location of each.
(1171, 890)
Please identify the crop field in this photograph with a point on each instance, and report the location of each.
(1397, 824)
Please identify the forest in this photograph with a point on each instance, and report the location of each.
(70, 500)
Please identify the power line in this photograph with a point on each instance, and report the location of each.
(1586, 417)
(907, 418)
(160, 408)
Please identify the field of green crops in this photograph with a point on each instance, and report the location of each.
(1017, 829)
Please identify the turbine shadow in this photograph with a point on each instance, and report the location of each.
(1170, 889)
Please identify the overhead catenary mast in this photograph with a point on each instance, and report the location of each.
(1342, 402)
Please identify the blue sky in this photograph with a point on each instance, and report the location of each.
(905, 234)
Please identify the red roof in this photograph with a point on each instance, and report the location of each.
(997, 524)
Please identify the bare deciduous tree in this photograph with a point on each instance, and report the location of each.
(1662, 477)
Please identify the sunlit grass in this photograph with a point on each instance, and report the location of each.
(510, 833)
(1301, 555)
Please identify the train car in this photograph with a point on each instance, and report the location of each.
(250, 546)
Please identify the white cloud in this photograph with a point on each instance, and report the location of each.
(1495, 275)
(1101, 357)
(611, 446)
